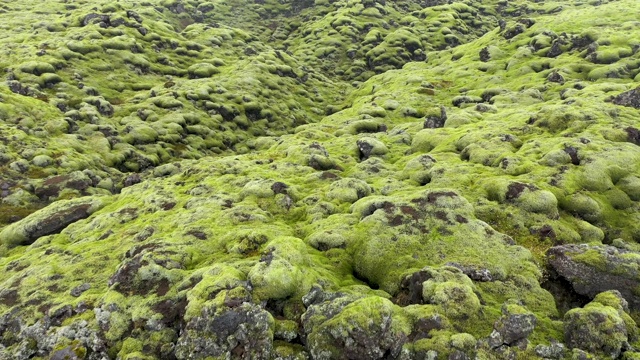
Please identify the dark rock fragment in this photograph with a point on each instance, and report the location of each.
(47, 221)
(513, 31)
(555, 77)
(78, 290)
(57, 316)
(515, 189)
(52, 186)
(556, 48)
(484, 54)
(435, 121)
(513, 328)
(87, 19)
(132, 180)
(554, 351)
(373, 337)
(573, 153)
(9, 297)
(279, 188)
(473, 272)
(134, 15)
(17, 88)
(365, 149)
(71, 352)
(197, 234)
(629, 98)
(460, 100)
(633, 135)
(369, 147)
(411, 288)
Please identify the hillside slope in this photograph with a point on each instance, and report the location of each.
(320, 180)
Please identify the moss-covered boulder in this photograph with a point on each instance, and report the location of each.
(602, 327)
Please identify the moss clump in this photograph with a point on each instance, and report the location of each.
(202, 70)
(601, 327)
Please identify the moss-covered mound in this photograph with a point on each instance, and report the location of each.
(347, 179)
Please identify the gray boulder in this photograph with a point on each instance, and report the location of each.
(245, 331)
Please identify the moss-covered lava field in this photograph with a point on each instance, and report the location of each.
(316, 180)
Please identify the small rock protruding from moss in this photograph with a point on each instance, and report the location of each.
(371, 147)
(555, 77)
(435, 121)
(629, 98)
(553, 351)
(513, 328)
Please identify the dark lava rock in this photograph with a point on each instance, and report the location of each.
(243, 332)
(594, 269)
(132, 180)
(52, 186)
(57, 316)
(134, 15)
(555, 77)
(78, 290)
(515, 189)
(554, 351)
(87, 19)
(484, 54)
(17, 88)
(513, 31)
(629, 98)
(633, 135)
(279, 188)
(473, 272)
(573, 153)
(367, 148)
(127, 279)
(59, 220)
(513, 328)
(9, 297)
(411, 288)
(460, 100)
(556, 49)
(435, 121)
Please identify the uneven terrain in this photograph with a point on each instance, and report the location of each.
(298, 179)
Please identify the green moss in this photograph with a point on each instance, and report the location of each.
(202, 70)
(296, 90)
(37, 68)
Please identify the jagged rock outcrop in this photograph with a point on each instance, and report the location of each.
(595, 269)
